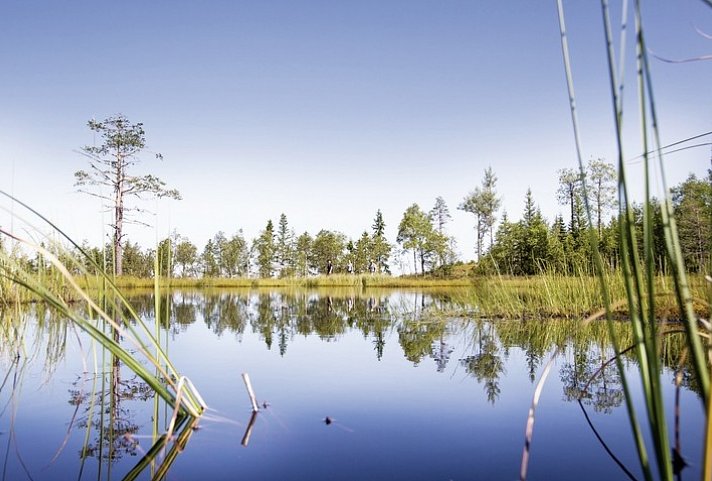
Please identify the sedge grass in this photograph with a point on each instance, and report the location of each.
(107, 307)
(641, 290)
(554, 296)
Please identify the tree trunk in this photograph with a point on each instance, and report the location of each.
(571, 196)
(479, 238)
(118, 216)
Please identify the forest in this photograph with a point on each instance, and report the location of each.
(524, 247)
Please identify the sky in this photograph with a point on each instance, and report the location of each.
(328, 111)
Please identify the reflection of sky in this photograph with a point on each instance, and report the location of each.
(392, 419)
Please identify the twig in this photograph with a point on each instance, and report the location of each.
(530, 419)
(250, 392)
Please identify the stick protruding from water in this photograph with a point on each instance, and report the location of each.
(250, 392)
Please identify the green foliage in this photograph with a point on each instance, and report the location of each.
(692, 202)
(235, 256)
(484, 204)
(136, 262)
(209, 260)
(569, 193)
(360, 253)
(302, 255)
(186, 256)
(380, 249)
(284, 248)
(266, 250)
(525, 247)
(601, 189)
(328, 246)
(440, 214)
(165, 258)
(416, 232)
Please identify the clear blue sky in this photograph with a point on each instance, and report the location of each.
(327, 111)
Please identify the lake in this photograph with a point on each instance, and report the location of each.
(352, 385)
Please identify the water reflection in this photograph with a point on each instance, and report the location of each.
(486, 364)
(424, 330)
(107, 414)
(116, 420)
(106, 400)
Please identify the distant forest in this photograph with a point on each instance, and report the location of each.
(527, 246)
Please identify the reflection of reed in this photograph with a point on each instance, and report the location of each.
(115, 431)
(184, 429)
(16, 371)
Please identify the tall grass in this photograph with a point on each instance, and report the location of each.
(555, 296)
(106, 307)
(637, 267)
(336, 280)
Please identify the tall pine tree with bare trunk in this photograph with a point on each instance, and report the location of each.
(110, 168)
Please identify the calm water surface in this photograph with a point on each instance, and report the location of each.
(412, 393)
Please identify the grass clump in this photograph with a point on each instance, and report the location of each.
(103, 313)
(641, 286)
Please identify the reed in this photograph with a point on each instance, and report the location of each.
(555, 296)
(642, 291)
(105, 306)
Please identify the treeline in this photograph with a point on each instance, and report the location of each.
(528, 246)
(532, 245)
(275, 252)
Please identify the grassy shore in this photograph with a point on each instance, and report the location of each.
(545, 296)
(339, 280)
(537, 297)
(569, 297)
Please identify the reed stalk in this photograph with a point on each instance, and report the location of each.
(115, 311)
(638, 270)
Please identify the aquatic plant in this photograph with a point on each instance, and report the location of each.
(105, 314)
(638, 269)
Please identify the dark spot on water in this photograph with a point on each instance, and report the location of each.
(328, 420)
(678, 462)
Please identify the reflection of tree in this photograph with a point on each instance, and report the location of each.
(184, 310)
(442, 354)
(327, 316)
(283, 324)
(417, 337)
(113, 420)
(373, 317)
(223, 312)
(604, 391)
(264, 319)
(607, 389)
(279, 315)
(486, 366)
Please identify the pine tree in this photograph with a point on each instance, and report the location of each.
(284, 247)
(266, 251)
(380, 248)
(110, 167)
